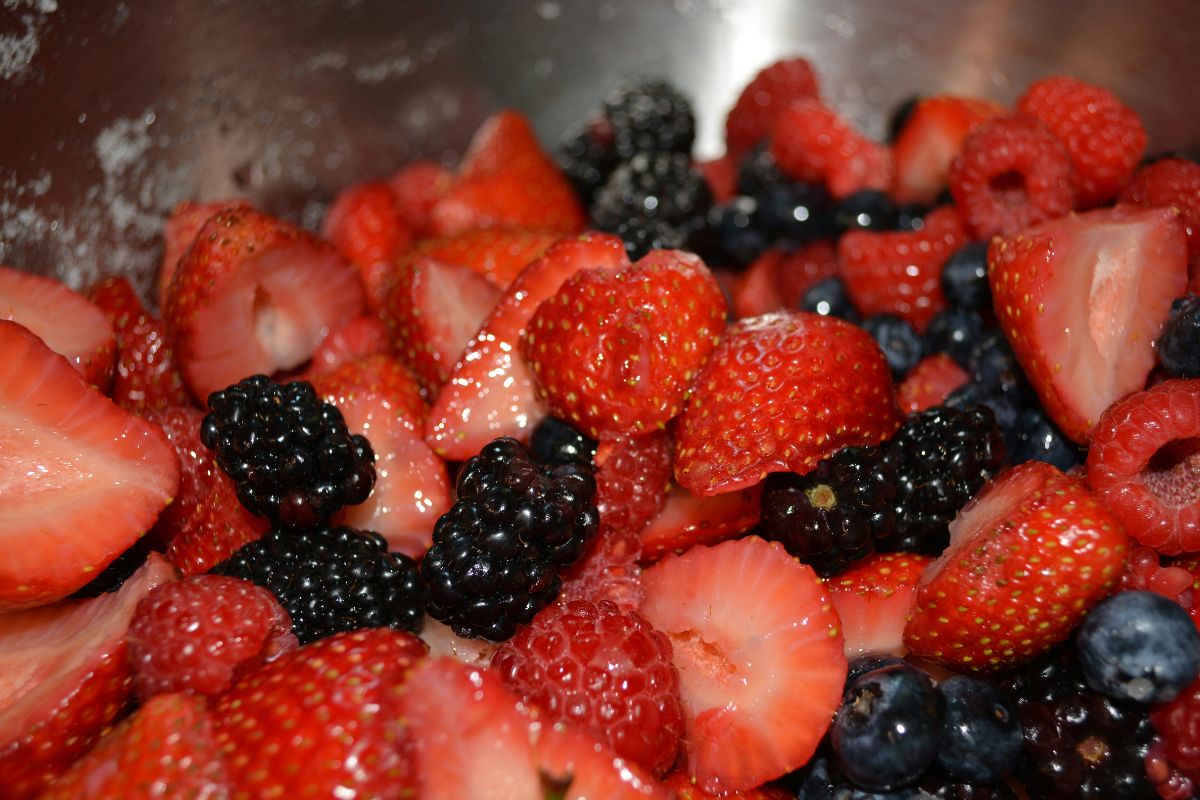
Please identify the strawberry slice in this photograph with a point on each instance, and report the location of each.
(354, 339)
(1028, 557)
(685, 789)
(443, 642)
(432, 311)
(417, 187)
(364, 224)
(490, 392)
(498, 254)
(1082, 299)
(69, 323)
(774, 88)
(875, 599)
(813, 143)
(180, 231)
(930, 140)
(687, 520)
(929, 383)
(584, 768)
(81, 478)
(759, 649)
(381, 400)
(64, 676)
(253, 295)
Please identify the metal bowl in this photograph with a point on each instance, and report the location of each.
(112, 111)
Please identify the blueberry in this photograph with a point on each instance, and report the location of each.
(1179, 345)
(1138, 646)
(829, 298)
(910, 216)
(1035, 438)
(993, 363)
(964, 277)
(981, 742)
(887, 731)
(798, 212)
(866, 210)
(557, 442)
(822, 781)
(899, 341)
(955, 332)
(869, 663)
(739, 229)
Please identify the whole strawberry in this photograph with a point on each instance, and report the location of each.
(617, 352)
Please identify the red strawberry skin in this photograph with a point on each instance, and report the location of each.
(356, 338)
(1172, 183)
(178, 234)
(875, 599)
(687, 520)
(364, 224)
(929, 383)
(768, 93)
(778, 279)
(781, 392)
(498, 254)
(929, 141)
(617, 352)
(1028, 557)
(812, 143)
(416, 188)
(1082, 299)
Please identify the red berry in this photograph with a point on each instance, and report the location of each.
(686, 789)
(179, 232)
(1012, 173)
(721, 176)
(1144, 571)
(603, 669)
(354, 339)
(1144, 463)
(812, 143)
(930, 139)
(778, 279)
(365, 226)
(773, 89)
(1178, 722)
(688, 520)
(498, 254)
(1103, 136)
(929, 383)
(417, 187)
(1172, 183)
(875, 599)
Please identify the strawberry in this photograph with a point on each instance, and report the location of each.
(442, 641)
(1104, 137)
(1012, 173)
(365, 226)
(206, 523)
(1144, 464)
(778, 279)
(721, 176)
(568, 757)
(196, 634)
(381, 400)
(147, 376)
(617, 352)
(768, 93)
(64, 677)
(180, 231)
(875, 599)
(1082, 299)
(930, 139)
(1027, 558)
(166, 749)
(1172, 183)
(253, 295)
(929, 383)
(758, 647)
(69, 323)
(432, 310)
(83, 479)
(491, 392)
(354, 339)
(781, 392)
(900, 272)
(686, 789)
(506, 180)
(687, 520)
(498, 254)
(321, 721)
(416, 188)
(812, 143)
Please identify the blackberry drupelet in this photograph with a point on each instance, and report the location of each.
(1078, 744)
(942, 457)
(653, 201)
(835, 514)
(651, 116)
(587, 159)
(332, 579)
(494, 555)
(1179, 345)
(289, 454)
(555, 441)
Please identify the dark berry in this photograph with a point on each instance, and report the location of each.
(821, 780)
(758, 173)
(939, 786)
(901, 115)
(739, 229)
(587, 160)
(289, 454)
(115, 574)
(993, 363)
(332, 579)
(887, 730)
(1179, 345)
(495, 553)
(898, 339)
(868, 663)
(910, 216)
(964, 278)
(797, 212)
(955, 332)
(981, 742)
(1036, 438)
(866, 210)
(651, 116)
(829, 298)
(555, 441)
(1138, 646)
(832, 516)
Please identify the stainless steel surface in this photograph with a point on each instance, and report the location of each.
(111, 111)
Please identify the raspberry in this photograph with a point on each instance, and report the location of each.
(774, 88)
(1144, 571)
(1178, 722)
(1174, 183)
(604, 669)
(195, 635)
(812, 143)
(1012, 173)
(1104, 138)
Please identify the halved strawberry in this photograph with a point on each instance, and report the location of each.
(432, 310)
(64, 676)
(253, 295)
(1028, 557)
(354, 339)
(179, 231)
(69, 323)
(687, 519)
(586, 769)
(82, 479)
(381, 400)
(490, 392)
(686, 789)
(1082, 299)
(929, 383)
(443, 642)
(930, 140)
(364, 224)
(417, 187)
(760, 657)
(875, 599)
(498, 254)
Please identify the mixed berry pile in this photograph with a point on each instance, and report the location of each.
(829, 468)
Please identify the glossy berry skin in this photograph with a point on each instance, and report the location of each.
(650, 116)
(811, 142)
(899, 341)
(654, 201)
(888, 729)
(955, 332)
(930, 383)
(554, 441)
(1178, 723)
(829, 298)
(1035, 438)
(964, 277)
(1138, 646)
(981, 742)
(869, 663)
(1179, 345)
(1172, 183)
(866, 210)
(797, 212)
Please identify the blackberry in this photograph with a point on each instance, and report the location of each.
(494, 555)
(289, 454)
(898, 339)
(651, 116)
(587, 160)
(1078, 744)
(1179, 345)
(942, 457)
(555, 441)
(830, 298)
(653, 201)
(758, 173)
(832, 516)
(332, 579)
